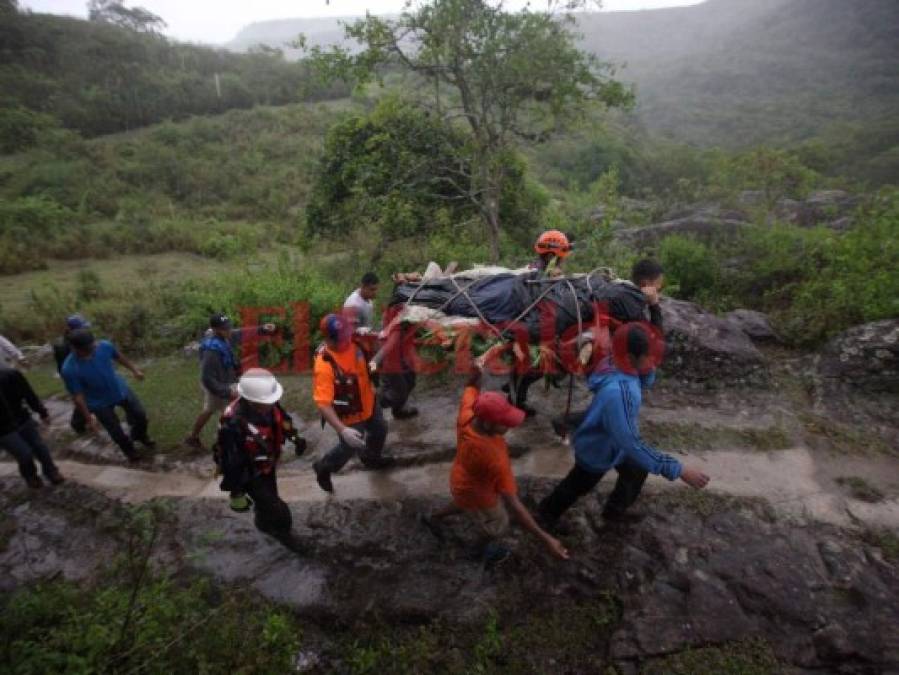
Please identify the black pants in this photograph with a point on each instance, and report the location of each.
(579, 482)
(375, 430)
(521, 382)
(135, 416)
(396, 389)
(25, 444)
(77, 421)
(272, 515)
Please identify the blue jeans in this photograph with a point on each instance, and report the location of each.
(25, 444)
(135, 416)
(375, 430)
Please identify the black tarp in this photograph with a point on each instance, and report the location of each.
(503, 297)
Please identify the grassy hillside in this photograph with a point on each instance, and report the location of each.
(96, 78)
(731, 73)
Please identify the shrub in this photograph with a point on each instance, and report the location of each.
(691, 268)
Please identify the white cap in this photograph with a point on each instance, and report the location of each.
(259, 386)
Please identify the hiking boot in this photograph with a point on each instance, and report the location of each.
(134, 457)
(35, 482)
(290, 541)
(240, 503)
(323, 477)
(495, 555)
(432, 526)
(194, 442)
(56, 478)
(405, 413)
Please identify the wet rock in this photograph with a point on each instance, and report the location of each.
(825, 207)
(703, 348)
(754, 324)
(865, 357)
(701, 226)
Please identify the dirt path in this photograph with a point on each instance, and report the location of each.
(792, 480)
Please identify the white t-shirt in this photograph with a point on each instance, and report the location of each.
(364, 309)
(9, 354)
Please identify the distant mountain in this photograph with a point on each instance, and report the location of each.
(727, 72)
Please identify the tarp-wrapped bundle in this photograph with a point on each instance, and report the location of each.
(500, 296)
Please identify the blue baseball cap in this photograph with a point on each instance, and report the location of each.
(76, 322)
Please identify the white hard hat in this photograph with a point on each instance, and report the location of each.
(259, 386)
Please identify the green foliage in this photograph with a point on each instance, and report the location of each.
(116, 73)
(691, 268)
(508, 76)
(818, 282)
(175, 628)
(398, 172)
(775, 173)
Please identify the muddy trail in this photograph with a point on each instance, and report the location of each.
(793, 545)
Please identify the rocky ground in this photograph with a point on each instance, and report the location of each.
(788, 563)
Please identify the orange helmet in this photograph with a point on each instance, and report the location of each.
(553, 242)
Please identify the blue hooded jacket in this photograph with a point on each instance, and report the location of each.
(610, 435)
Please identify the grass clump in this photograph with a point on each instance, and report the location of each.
(749, 657)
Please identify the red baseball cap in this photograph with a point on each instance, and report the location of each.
(491, 406)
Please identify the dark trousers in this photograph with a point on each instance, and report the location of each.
(521, 382)
(272, 515)
(135, 416)
(396, 389)
(77, 421)
(24, 445)
(375, 430)
(579, 482)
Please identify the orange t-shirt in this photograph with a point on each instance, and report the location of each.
(482, 470)
(352, 362)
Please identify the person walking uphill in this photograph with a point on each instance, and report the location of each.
(609, 438)
(19, 434)
(343, 392)
(251, 435)
(481, 480)
(61, 351)
(90, 376)
(219, 369)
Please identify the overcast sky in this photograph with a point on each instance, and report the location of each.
(215, 21)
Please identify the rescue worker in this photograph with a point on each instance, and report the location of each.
(552, 247)
(343, 392)
(252, 433)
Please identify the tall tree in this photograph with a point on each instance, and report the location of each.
(508, 75)
(133, 18)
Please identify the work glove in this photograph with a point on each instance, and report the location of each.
(353, 438)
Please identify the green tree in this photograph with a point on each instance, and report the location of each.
(508, 76)
(133, 18)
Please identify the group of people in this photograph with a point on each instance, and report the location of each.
(351, 396)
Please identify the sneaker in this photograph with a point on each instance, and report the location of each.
(495, 555)
(405, 413)
(56, 478)
(240, 503)
(432, 526)
(323, 478)
(35, 482)
(194, 442)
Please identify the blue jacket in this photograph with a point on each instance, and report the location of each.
(609, 434)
